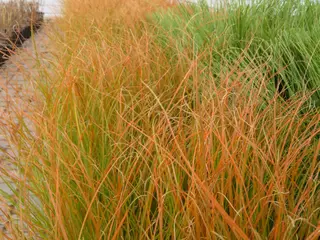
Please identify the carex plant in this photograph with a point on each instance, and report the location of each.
(163, 121)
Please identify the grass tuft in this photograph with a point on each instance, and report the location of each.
(159, 121)
(14, 14)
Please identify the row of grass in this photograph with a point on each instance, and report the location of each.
(159, 121)
(282, 35)
(15, 13)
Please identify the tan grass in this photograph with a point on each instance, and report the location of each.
(15, 13)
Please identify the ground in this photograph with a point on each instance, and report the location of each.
(17, 95)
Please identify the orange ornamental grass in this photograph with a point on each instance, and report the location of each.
(133, 145)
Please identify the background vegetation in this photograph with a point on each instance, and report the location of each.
(282, 35)
(162, 121)
(15, 13)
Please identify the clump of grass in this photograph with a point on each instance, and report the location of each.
(17, 13)
(282, 34)
(133, 145)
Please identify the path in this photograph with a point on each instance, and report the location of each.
(16, 92)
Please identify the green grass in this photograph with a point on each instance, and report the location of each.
(148, 130)
(283, 35)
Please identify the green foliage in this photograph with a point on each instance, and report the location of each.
(284, 35)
